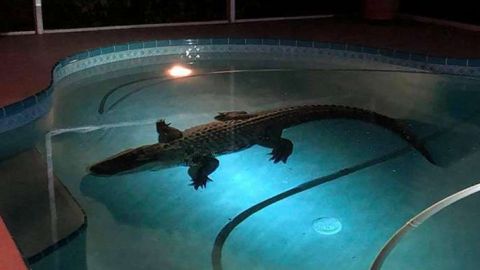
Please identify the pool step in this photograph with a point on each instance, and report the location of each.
(27, 209)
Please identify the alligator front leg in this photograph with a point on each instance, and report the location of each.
(166, 133)
(200, 167)
(281, 148)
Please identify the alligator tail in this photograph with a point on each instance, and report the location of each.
(401, 129)
(394, 125)
(292, 116)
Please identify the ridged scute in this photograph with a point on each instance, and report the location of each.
(227, 136)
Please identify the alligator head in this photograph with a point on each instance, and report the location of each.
(139, 159)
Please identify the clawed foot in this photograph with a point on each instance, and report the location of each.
(201, 167)
(200, 182)
(277, 156)
(162, 124)
(282, 152)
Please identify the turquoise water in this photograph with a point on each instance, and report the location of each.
(364, 176)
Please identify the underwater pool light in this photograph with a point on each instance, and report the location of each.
(327, 225)
(179, 71)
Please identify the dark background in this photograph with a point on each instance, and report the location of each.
(465, 11)
(93, 13)
(247, 9)
(17, 15)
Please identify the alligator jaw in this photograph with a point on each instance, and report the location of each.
(102, 169)
(121, 163)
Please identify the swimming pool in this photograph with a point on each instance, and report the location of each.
(347, 187)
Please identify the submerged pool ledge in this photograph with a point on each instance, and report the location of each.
(31, 108)
(27, 209)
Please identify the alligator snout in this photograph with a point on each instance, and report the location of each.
(102, 168)
(120, 163)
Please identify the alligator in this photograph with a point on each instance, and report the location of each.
(198, 146)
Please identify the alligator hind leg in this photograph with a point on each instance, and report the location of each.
(281, 148)
(281, 151)
(200, 167)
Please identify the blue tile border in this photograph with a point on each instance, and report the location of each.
(13, 119)
(402, 55)
(370, 50)
(322, 45)
(178, 42)
(106, 50)
(28, 102)
(135, 45)
(121, 48)
(253, 41)
(270, 41)
(95, 52)
(220, 41)
(418, 57)
(135, 49)
(237, 41)
(338, 46)
(82, 55)
(473, 62)
(457, 62)
(386, 52)
(204, 41)
(162, 43)
(288, 42)
(305, 43)
(149, 44)
(41, 96)
(355, 48)
(437, 60)
(13, 108)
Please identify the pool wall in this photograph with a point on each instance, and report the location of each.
(33, 107)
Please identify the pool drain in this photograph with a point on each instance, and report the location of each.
(327, 225)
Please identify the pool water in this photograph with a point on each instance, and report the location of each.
(364, 177)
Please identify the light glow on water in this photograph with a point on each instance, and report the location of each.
(178, 71)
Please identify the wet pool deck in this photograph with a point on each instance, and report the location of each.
(10, 258)
(28, 60)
